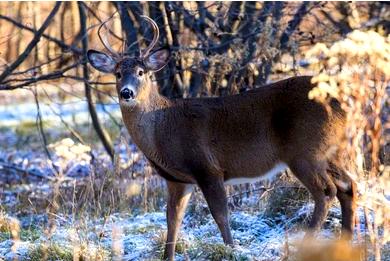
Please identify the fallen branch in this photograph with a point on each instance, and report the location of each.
(4, 165)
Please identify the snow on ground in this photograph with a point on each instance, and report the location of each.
(132, 236)
(140, 237)
(137, 236)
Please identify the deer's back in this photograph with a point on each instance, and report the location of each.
(246, 134)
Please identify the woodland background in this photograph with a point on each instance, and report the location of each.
(72, 184)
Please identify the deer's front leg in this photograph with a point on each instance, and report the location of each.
(214, 192)
(178, 197)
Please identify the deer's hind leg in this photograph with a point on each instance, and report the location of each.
(346, 194)
(315, 178)
(214, 192)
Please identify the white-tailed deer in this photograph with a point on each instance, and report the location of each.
(215, 141)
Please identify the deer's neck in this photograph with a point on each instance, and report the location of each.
(149, 99)
(143, 118)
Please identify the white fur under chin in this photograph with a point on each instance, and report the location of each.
(129, 104)
(278, 168)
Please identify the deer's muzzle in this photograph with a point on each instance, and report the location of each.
(127, 94)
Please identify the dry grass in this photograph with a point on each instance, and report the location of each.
(335, 250)
(356, 72)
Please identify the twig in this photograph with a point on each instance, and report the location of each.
(101, 21)
(49, 76)
(37, 66)
(70, 129)
(112, 118)
(40, 126)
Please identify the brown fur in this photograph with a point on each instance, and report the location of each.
(208, 141)
(237, 136)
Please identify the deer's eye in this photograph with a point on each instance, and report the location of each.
(118, 75)
(140, 72)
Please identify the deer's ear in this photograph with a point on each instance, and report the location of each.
(157, 60)
(101, 61)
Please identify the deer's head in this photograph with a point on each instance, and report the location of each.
(132, 72)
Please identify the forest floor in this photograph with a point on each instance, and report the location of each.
(140, 237)
(79, 203)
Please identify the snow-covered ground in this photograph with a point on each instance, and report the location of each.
(140, 237)
(133, 233)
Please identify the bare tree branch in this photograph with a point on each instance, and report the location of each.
(32, 44)
(342, 26)
(193, 23)
(104, 138)
(232, 17)
(293, 24)
(128, 28)
(60, 43)
(50, 76)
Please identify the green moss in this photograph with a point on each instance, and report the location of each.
(5, 236)
(57, 252)
(198, 250)
(182, 245)
(30, 234)
(52, 252)
(26, 128)
(143, 230)
(25, 235)
(215, 252)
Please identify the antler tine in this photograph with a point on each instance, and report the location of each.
(156, 35)
(105, 42)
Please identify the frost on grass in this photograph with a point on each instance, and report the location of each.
(140, 237)
(68, 157)
(137, 236)
(261, 233)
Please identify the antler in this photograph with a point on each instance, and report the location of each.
(105, 42)
(156, 34)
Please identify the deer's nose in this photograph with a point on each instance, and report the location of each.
(127, 93)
